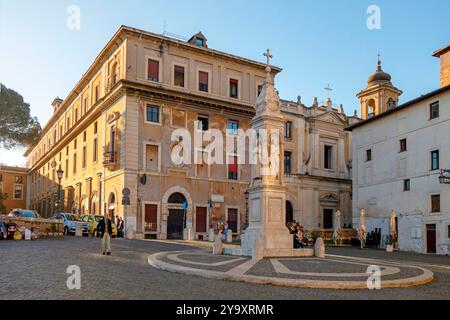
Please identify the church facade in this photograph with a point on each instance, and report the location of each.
(114, 131)
(400, 156)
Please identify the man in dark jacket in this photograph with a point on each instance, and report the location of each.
(104, 227)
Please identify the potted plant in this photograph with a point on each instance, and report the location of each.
(391, 242)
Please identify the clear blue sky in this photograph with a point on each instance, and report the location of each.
(315, 42)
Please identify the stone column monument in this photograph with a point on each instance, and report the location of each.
(267, 234)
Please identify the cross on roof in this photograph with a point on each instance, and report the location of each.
(268, 55)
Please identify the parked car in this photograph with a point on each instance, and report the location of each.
(93, 221)
(22, 213)
(70, 223)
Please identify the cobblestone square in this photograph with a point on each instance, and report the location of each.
(37, 270)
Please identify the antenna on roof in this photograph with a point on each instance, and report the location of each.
(173, 35)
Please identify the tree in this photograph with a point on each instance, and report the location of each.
(17, 127)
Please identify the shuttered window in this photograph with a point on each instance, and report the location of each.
(153, 70)
(233, 168)
(203, 81)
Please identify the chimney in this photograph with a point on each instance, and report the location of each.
(444, 55)
(56, 103)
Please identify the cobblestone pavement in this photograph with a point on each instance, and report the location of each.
(37, 270)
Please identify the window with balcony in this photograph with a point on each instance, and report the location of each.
(178, 76)
(234, 87)
(203, 84)
(153, 70)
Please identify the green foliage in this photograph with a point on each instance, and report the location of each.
(17, 127)
(3, 197)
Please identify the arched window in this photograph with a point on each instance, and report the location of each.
(370, 108)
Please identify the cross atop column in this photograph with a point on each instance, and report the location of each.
(328, 89)
(268, 55)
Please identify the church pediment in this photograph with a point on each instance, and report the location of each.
(330, 117)
(330, 197)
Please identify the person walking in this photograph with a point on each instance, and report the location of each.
(119, 227)
(105, 229)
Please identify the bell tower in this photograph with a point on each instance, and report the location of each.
(379, 95)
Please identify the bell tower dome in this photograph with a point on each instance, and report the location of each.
(379, 95)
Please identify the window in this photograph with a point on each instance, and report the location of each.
(75, 157)
(18, 188)
(232, 168)
(436, 203)
(369, 155)
(403, 145)
(85, 102)
(203, 81)
(233, 127)
(327, 159)
(260, 86)
(83, 162)
(448, 231)
(234, 88)
(203, 123)
(287, 162)
(178, 76)
(96, 96)
(19, 179)
(95, 144)
(406, 185)
(434, 110)
(288, 130)
(435, 160)
(152, 114)
(76, 114)
(153, 70)
(199, 42)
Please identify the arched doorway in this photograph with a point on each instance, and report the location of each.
(176, 220)
(289, 212)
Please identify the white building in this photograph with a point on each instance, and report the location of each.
(398, 152)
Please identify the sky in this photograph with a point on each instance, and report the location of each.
(315, 42)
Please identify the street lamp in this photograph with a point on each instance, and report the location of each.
(246, 193)
(59, 173)
(444, 178)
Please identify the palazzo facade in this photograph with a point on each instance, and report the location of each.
(114, 129)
